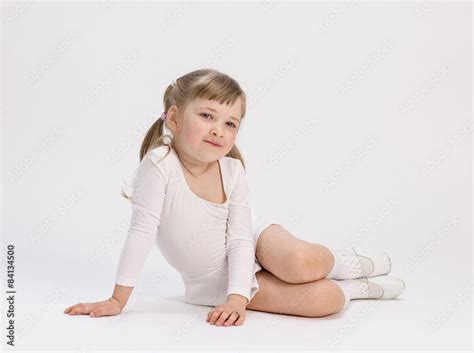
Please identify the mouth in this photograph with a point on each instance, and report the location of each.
(213, 144)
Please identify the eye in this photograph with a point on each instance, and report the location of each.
(205, 114)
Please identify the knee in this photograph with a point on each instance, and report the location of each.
(309, 265)
(272, 228)
(328, 299)
(324, 260)
(267, 244)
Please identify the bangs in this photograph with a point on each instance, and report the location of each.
(220, 90)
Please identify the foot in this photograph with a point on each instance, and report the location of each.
(373, 262)
(384, 287)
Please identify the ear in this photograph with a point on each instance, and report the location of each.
(172, 118)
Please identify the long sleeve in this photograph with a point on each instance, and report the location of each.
(147, 201)
(240, 242)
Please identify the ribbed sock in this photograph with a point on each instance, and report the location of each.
(347, 265)
(353, 288)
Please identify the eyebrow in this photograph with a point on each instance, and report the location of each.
(216, 112)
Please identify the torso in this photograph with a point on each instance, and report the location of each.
(205, 185)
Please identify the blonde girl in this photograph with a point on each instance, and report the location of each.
(190, 196)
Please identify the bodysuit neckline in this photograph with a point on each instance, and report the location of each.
(188, 188)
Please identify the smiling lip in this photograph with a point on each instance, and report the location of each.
(214, 144)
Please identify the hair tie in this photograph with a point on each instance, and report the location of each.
(163, 116)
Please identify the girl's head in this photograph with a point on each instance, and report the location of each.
(203, 105)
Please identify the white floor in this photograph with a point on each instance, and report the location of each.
(156, 318)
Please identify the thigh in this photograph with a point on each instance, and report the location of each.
(311, 299)
(290, 258)
(275, 240)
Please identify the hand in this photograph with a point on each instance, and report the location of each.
(230, 313)
(107, 307)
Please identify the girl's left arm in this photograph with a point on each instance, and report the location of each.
(240, 241)
(240, 255)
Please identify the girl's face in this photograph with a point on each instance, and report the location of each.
(204, 122)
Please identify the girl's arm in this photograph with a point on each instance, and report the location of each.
(147, 201)
(240, 241)
(240, 255)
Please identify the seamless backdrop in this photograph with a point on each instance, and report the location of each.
(358, 133)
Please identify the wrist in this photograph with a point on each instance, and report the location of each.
(237, 298)
(116, 301)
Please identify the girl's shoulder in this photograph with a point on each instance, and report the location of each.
(234, 168)
(158, 155)
(153, 164)
(234, 163)
(159, 151)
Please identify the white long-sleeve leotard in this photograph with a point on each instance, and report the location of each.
(211, 245)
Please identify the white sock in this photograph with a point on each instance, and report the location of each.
(353, 288)
(347, 265)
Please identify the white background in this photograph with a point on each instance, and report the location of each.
(358, 132)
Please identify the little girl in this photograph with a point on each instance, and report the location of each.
(190, 195)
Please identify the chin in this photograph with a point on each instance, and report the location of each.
(206, 156)
(207, 153)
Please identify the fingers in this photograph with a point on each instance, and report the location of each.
(69, 309)
(230, 319)
(102, 311)
(213, 316)
(239, 321)
(97, 309)
(222, 318)
(81, 308)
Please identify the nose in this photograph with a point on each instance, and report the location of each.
(216, 132)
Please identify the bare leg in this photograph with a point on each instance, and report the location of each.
(312, 299)
(291, 259)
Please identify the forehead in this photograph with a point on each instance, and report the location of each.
(234, 109)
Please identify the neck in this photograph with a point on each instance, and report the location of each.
(194, 168)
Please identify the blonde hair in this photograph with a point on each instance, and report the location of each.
(204, 83)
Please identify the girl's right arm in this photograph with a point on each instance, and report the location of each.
(147, 201)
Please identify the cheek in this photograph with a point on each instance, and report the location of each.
(232, 135)
(194, 131)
